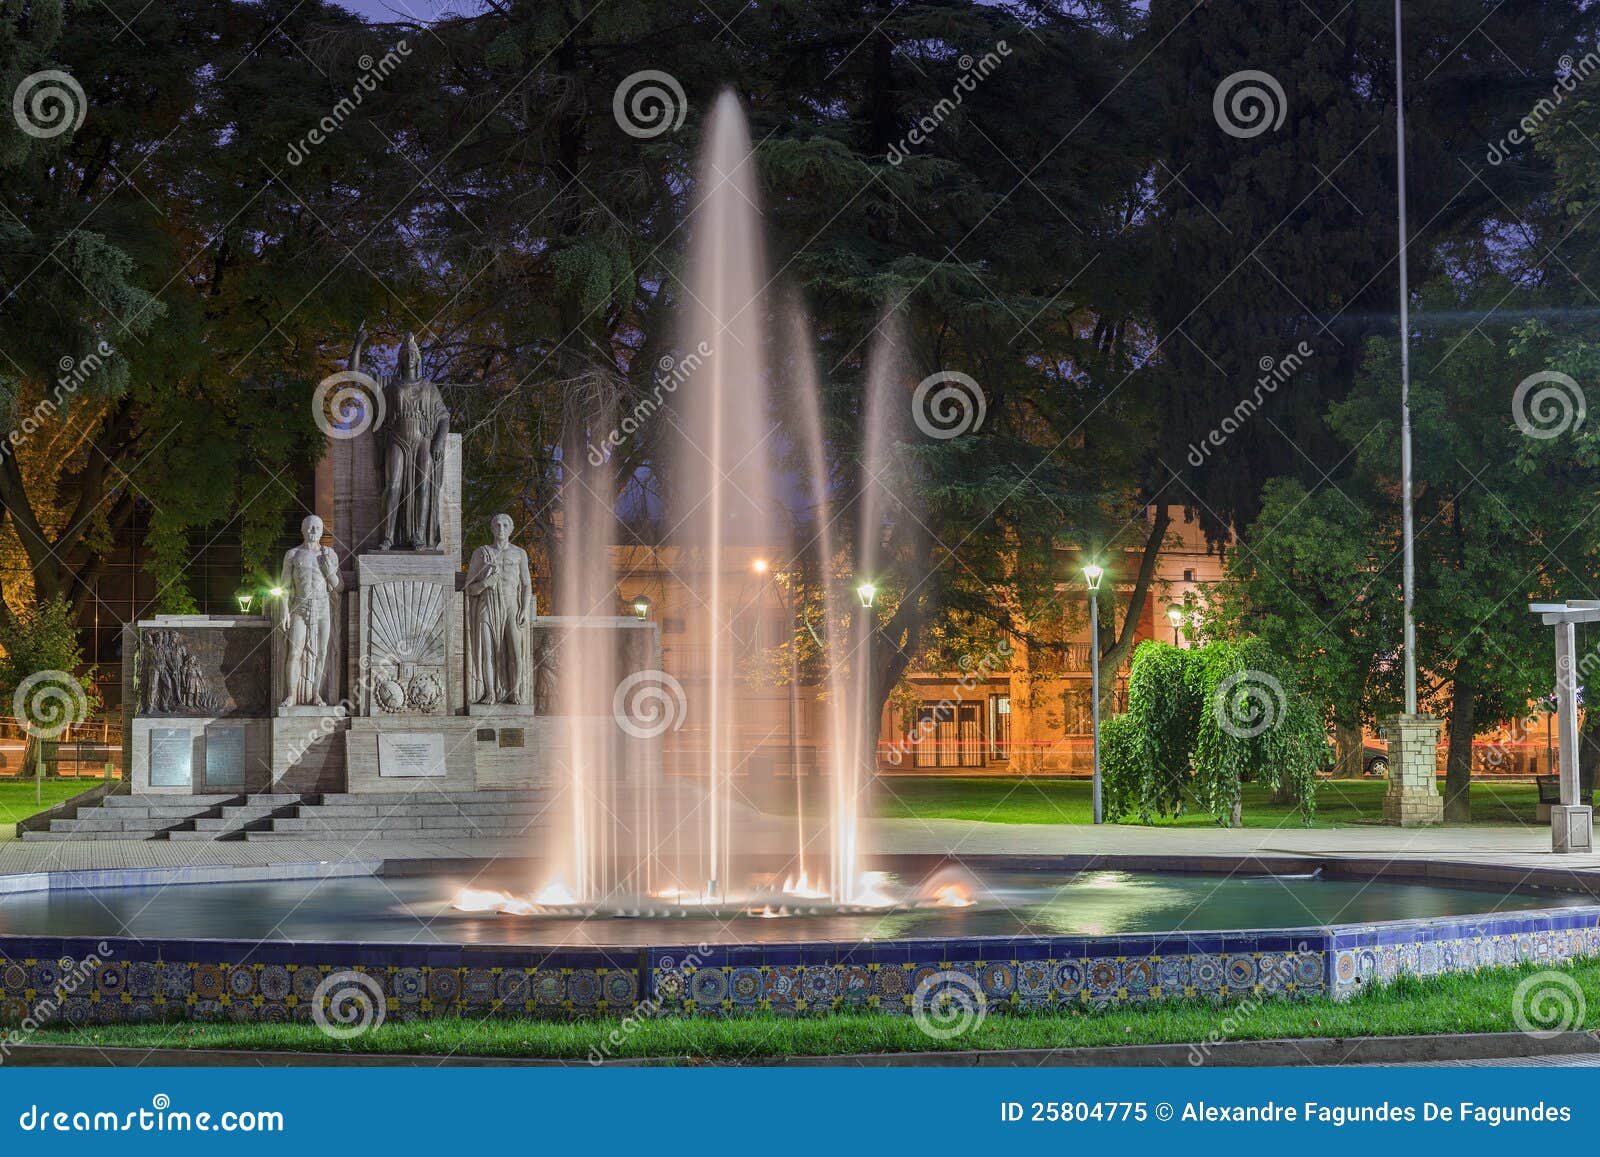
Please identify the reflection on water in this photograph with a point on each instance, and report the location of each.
(1029, 904)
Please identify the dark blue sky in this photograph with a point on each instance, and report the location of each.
(389, 10)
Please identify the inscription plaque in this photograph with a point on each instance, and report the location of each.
(410, 754)
(225, 756)
(171, 757)
(511, 737)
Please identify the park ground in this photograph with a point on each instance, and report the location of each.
(1009, 800)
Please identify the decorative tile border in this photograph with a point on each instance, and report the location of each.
(90, 981)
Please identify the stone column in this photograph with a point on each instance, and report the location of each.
(1413, 799)
(1571, 821)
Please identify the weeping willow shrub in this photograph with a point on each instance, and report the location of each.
(1255, 727)
(1145, 753)
(1202, 722)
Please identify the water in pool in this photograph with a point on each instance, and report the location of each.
(416, 909)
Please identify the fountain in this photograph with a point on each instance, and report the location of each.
(630, 840)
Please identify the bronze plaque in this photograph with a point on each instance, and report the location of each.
(511, 737)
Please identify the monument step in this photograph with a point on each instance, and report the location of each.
(509, 807)
(195, 802)
(62, 836)
(427, 795)
(229, 834)
(352, 837)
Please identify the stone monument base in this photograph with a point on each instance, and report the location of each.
(1413, 798)
(1571, 828)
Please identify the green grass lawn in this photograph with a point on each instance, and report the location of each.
(1480, 1002)
(1017, 800)
(17, 798)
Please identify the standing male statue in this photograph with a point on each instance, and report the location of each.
(310, 579)
(501, 598)
(412, 444)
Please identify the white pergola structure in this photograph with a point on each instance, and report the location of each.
(1571, 821)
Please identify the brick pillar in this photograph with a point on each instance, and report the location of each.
(1413, 799)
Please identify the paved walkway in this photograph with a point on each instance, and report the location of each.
(1510, 847)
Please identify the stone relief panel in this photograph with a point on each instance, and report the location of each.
(406, 630)
(193, 671)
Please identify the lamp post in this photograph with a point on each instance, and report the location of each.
(1091, 577)
(1175, 617)
(641, 607)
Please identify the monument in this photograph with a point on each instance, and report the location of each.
(380, 665)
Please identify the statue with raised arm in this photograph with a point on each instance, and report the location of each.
(412, 446)
(500, 599)
(309, 581)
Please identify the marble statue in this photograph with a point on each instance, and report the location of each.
(500, 599)
(412, 445)
(310, 579)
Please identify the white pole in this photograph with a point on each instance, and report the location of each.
(1409, 573)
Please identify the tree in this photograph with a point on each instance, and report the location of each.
(1273, 222)
(1300, 578)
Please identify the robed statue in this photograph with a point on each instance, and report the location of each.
(500, 599)
(411, 439)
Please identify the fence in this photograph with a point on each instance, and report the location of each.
(88, 750)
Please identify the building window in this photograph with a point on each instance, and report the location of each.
(1188, 575)
(999, 727)
(947, 735)
(1079, 711)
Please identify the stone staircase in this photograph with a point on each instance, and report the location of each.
(421, 815)
(418, 815)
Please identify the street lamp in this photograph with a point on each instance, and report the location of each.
(244, 599)
(1175, 617)
(641, 607)
(867, 593)
(1091, 577)
(759, 566)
